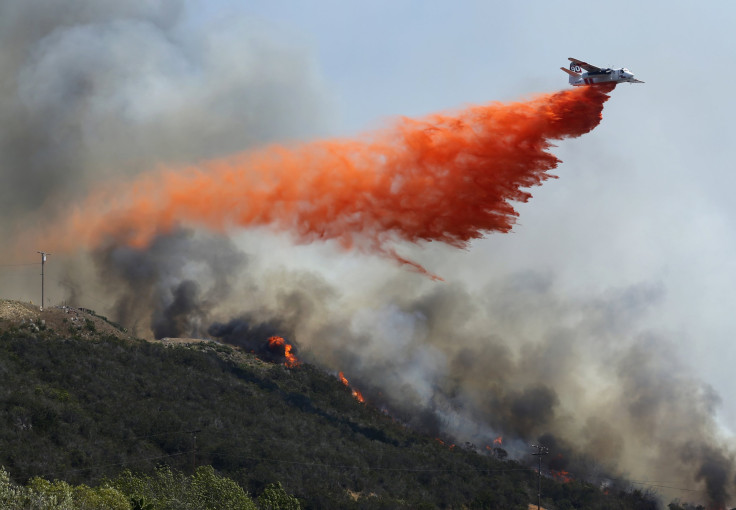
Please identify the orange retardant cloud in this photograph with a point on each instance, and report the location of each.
(445, 178)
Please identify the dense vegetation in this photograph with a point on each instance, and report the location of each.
(84, 410)
(164, 490)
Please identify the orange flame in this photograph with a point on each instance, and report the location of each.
(356, 394)
(276, 342)
(440, 441)
(498, 440)
(446, 178)
(561, 476)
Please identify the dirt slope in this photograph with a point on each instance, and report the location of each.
(59, 319)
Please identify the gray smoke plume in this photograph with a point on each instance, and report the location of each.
(582, 376)
(95, 89)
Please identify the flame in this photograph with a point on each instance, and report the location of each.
(561, 476)
(445, 178)
(496, 443)
(356, 394)
(276, 342)
(440, 441)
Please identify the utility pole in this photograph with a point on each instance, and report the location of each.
(541, 451)
(194, 448)
(43, 261)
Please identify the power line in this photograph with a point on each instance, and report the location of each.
(541, 450)
(364, 468)
(385, 469)
(221, 454)
(113, 464)
(669, 487)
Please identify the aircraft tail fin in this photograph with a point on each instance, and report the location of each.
(573, 75)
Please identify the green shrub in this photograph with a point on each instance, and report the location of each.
(274, 497)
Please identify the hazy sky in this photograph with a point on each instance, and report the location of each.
(643, 200)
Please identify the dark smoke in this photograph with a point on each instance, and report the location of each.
(157, 284)
(716, 469)
(527, 409)
(183, 316)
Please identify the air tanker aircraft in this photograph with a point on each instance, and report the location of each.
(594, 75)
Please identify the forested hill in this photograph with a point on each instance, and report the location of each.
(81, 401)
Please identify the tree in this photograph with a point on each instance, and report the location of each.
(274, 497)
(43, 495)
(11, 495)
(167, 489)
(140, 504)
(89, 498)
(209, 491)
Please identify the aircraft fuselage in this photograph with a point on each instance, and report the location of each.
(581, 73)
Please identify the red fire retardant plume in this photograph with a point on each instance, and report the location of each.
(446, 178)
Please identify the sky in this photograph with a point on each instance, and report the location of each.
(629, 251)
(645, 199)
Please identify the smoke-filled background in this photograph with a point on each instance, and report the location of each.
(600, 325)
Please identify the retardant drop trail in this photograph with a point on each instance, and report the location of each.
(446, 178)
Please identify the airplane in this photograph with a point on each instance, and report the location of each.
(596, 75)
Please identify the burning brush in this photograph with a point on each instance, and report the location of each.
(249, 335)
(358, 395)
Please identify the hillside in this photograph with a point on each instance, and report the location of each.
(57, 321)
(83, 400)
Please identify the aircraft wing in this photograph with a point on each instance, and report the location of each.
(585, 65)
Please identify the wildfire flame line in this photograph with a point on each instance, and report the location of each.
(356, 394)
(446, 178)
